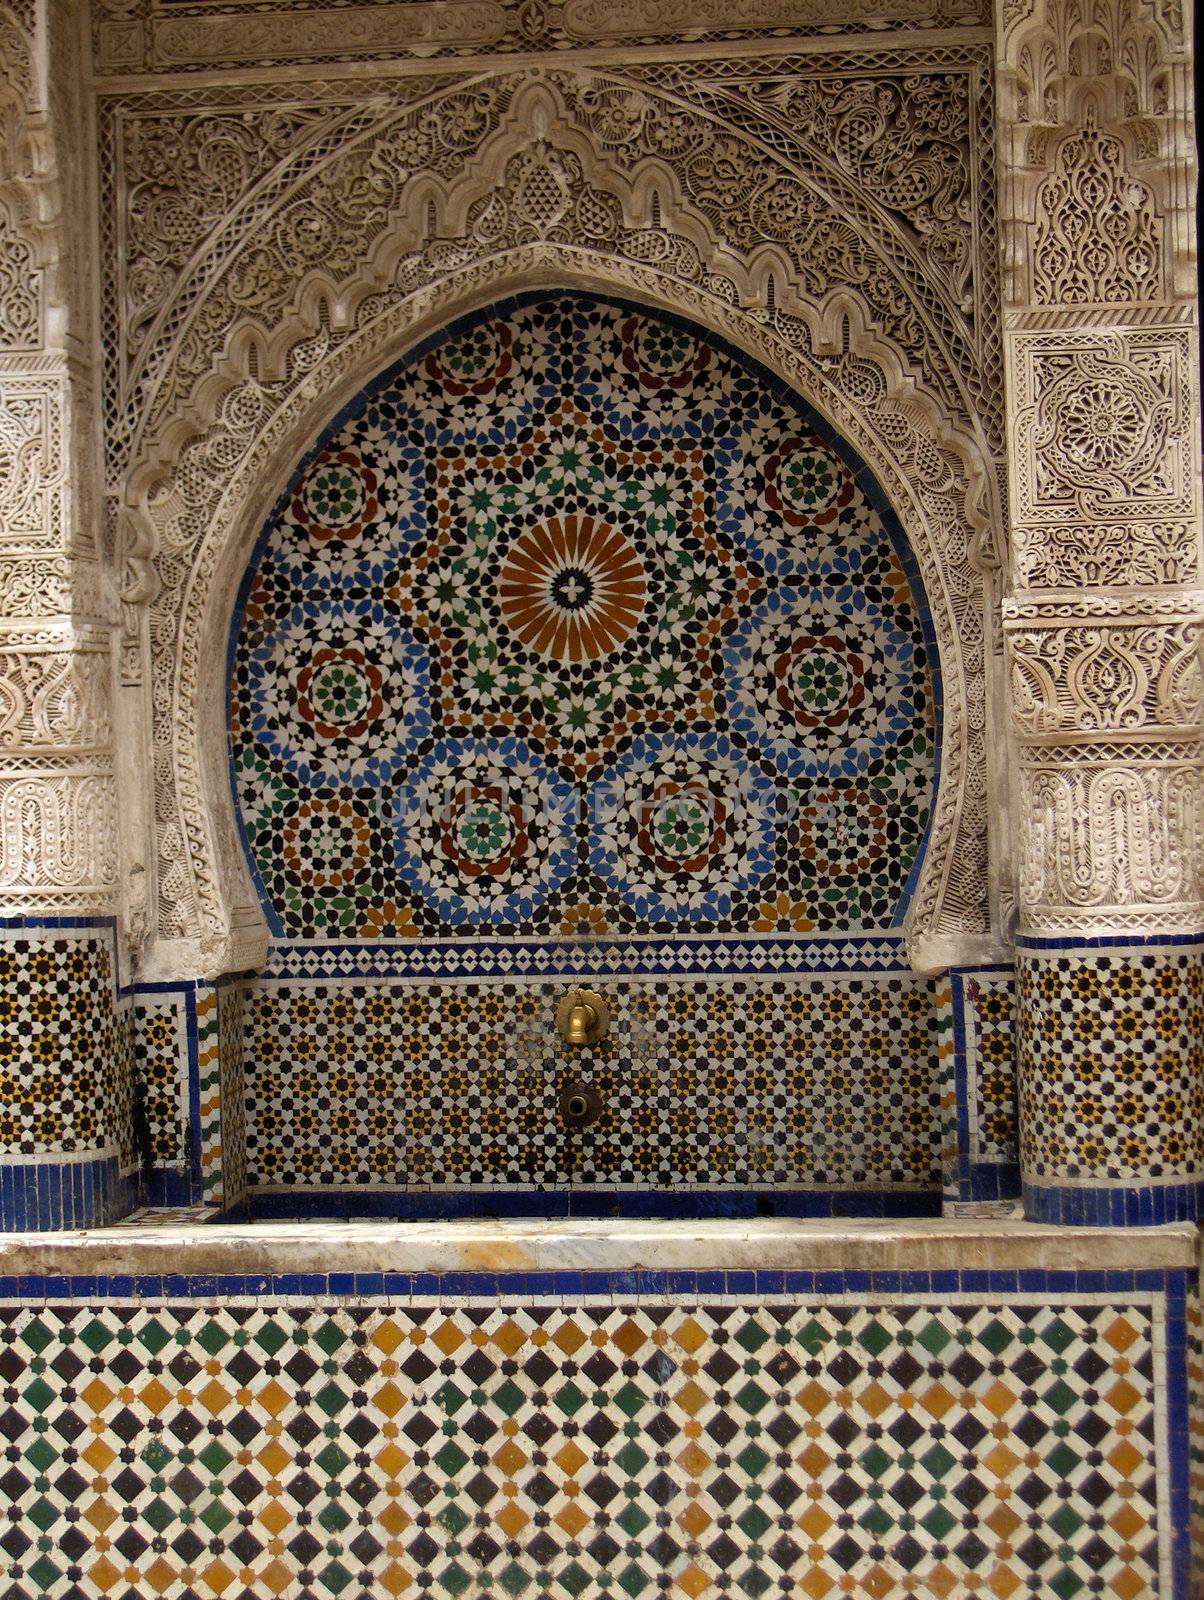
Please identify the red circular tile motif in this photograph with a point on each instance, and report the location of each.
(339, 694)
(819, 682)
(474, 362)
(682, 827)
(661, 354)
(483, 830)
(807, 483)
(336, 499)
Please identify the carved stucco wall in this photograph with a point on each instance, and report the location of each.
(269, 248)
(57, 840)
(1102, 365)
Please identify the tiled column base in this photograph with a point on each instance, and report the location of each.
(1111, 1080)
(68, 1192)
(68, 1156)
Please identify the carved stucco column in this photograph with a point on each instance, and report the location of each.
(65, 1136)
(1103, 623)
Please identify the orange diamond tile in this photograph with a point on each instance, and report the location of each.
(629, 1337)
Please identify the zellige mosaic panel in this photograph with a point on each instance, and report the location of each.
(827, 1082)
(368, 1449)
(577, 619)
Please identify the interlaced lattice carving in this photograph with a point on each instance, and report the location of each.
(1102, 467)
(391, 216)
(51, 698)
(20, 294)
(1098, 238)
(1104, 677)
(175, 35)
(891, 147)
(58, 847)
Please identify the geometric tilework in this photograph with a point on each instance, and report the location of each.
(583, 953)
(818, 1082)
(576, 618)
(162, 1064)
(67, 1097)
(991, 1076)
(208, 1058)
(1195, 1394)
(1111, 1067)
(59, 1085)
(124, 1115)
(368, 1449)
(231, 1008)
(979, 1090)
(947, 1073)
(222, 1090)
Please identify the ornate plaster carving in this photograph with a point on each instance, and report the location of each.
(150, 35)
(1100, 676)
(442, 206)
(1105, 687)
(1104, 468)
(1097, 237)
(1082, 80)
(58, 837)
(54, 692)
(58, 842)
(1112, 843)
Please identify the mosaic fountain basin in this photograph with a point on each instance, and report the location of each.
(801, 1407)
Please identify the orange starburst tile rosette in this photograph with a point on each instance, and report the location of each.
(572, 588)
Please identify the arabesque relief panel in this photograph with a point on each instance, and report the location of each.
(335, 228)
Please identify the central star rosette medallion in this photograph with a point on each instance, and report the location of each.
(574, 587)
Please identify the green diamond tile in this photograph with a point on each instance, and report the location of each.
(752, 1460)
(875, 1338)
(633, 1580)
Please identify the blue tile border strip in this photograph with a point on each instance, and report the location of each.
(977, 1180)
(577, 1284)
(50, 1196)
(1119, 941)
(487, 1202)
(658, 956)
(1114, 1206)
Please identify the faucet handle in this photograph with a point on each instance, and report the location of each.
(582, 1017)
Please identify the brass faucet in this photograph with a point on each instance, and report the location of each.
(582, 1017)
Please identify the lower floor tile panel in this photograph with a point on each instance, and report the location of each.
(539, 1448)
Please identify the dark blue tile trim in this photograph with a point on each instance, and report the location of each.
(33, 923)
(1115, 1207)
(994, 1180)
(1026, 941)
(44, 1197)
(487, 1203)
(877, 1287)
